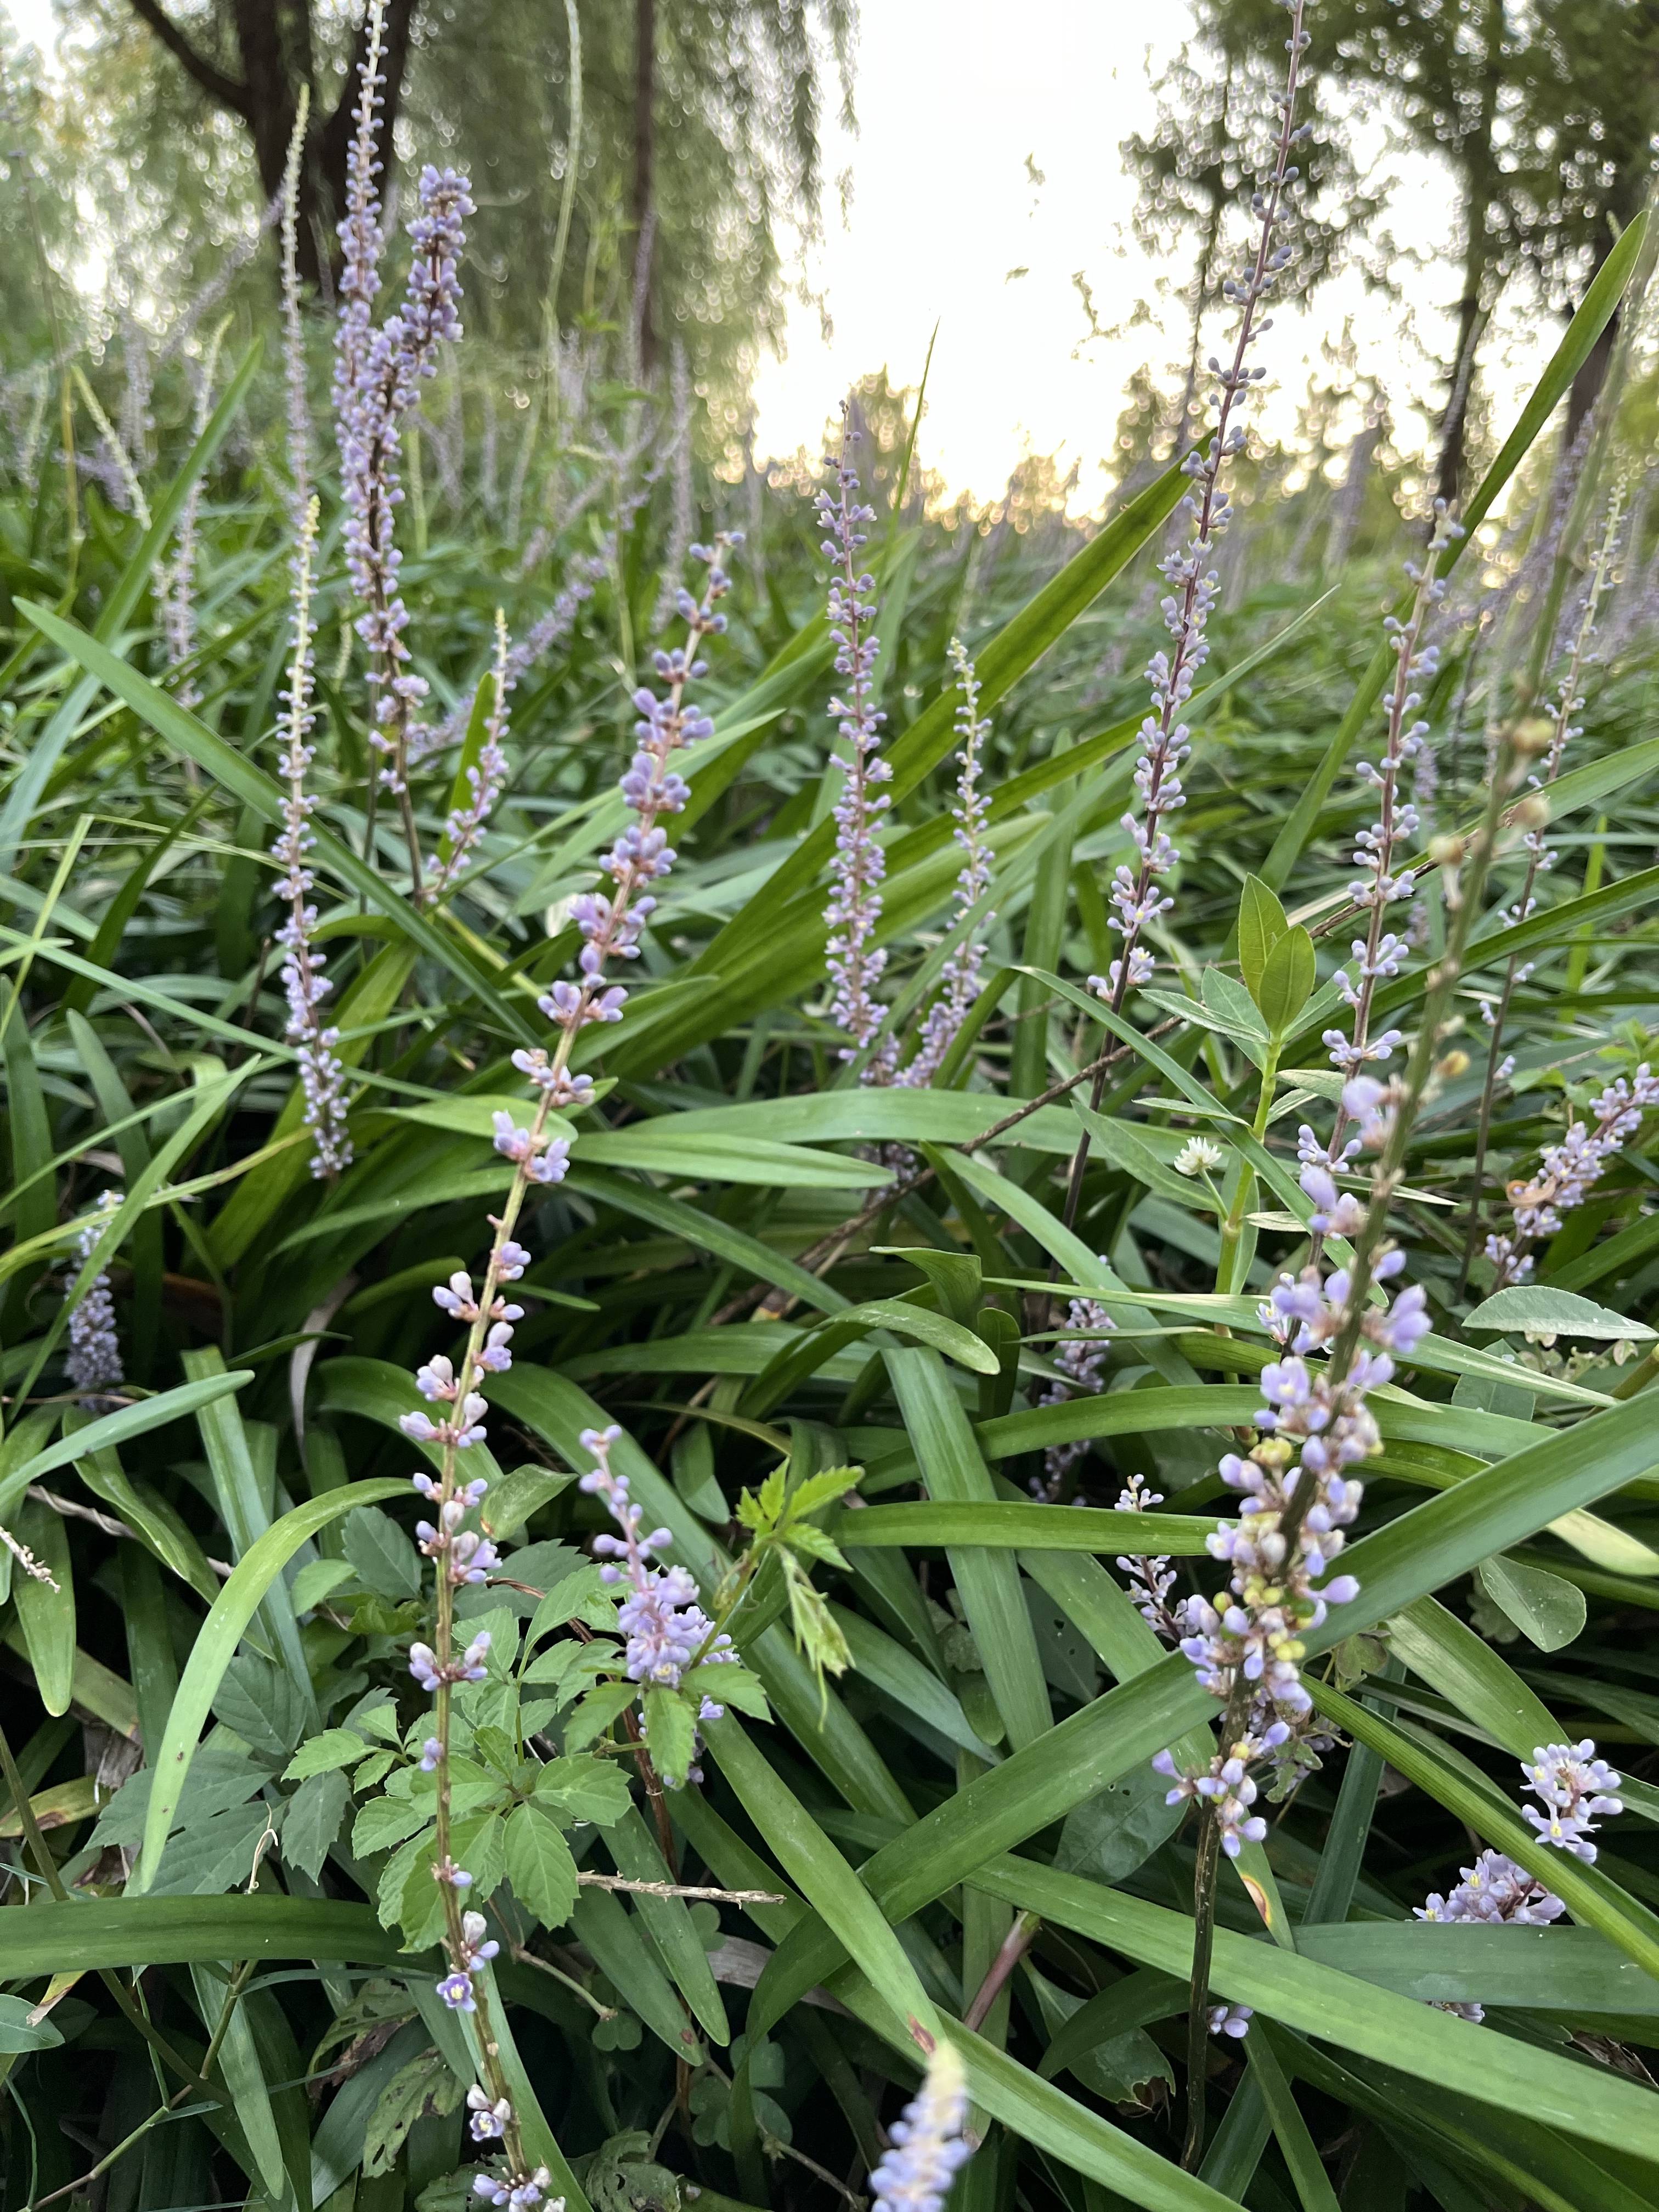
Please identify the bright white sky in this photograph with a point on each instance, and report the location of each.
(952, 97)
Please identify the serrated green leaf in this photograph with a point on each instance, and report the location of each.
(539, 1865)
(313, 1819)
(322, 1754)
(588, 1790)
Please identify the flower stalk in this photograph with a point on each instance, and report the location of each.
(322, 1075)
(1166, 741)
(855, 962)
(1508, 1258)
(611, 926)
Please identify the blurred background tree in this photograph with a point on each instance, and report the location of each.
(648, 159)
(1543, 112)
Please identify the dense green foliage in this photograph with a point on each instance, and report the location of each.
(877, 1393)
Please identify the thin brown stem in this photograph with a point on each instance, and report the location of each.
(1014, 1946)
(691, 1889)
(1205, 1869)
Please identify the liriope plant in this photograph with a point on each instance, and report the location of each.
(762, 1775)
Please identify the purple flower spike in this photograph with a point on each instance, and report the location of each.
(662, 1616)
(94, 1362)
(322, 1075)
(855, 962)
(927, 2146)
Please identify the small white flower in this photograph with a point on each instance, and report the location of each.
(1199, 1156)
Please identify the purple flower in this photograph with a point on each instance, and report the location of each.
(1165, 740)
(662, 1616)
(456, 1990)
(487, 776)
(1233, 2020)
(926, 2144)
(855, 961)
(971, 810)
(1380, 883)
(1574, 1786)
(377, 376)
(488, 2121)
(1150, 1577)
(478, 1947)
(322, 1076)
(1081, 1359)
(93, 1359)
(1568, 1171)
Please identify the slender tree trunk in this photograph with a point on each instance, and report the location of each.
(1480, 178)
(644, 159)
(276, 49)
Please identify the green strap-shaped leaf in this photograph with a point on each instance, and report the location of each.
(1011, 2093)
(1360, 2017)
(215, 1647)
(602, 1922)
(1005, 1526)
(115, 1428)
(989, 1582)
(823, 1876)
(89, 1933)
(188, 735)
(1431, 1545)
(117, 609)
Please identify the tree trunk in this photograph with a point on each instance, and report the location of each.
(274, 41)
(645, 156)
(1454, 418)
(1480, 179)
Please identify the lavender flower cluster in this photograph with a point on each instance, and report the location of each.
(1576, 1789)
(1166, 741)
(1382, 883)
(1081, 1360)
(1247, 1650)
(93, 1360)
(855, 962)
(1151, 1576)
(305, 987)
(1568, 1171)
(664, 1623)
(970, 810)
(927, 2146)
(487, 775)
(662, 1616)
(377, 375)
